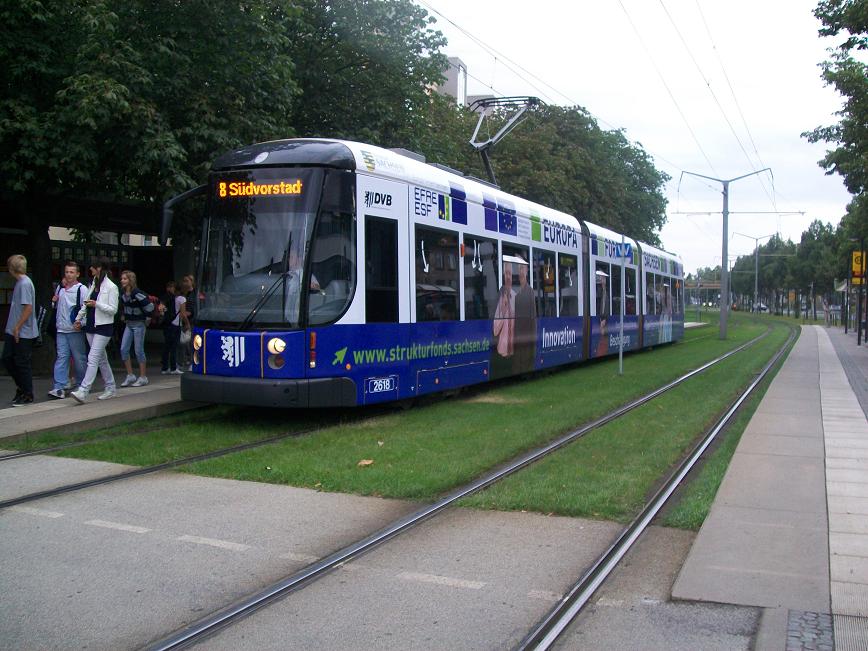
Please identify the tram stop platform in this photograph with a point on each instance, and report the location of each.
(160, 397)
(788, 530)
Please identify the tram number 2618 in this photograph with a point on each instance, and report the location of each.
(382, 384)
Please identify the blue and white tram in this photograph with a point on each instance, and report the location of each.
(338, 273)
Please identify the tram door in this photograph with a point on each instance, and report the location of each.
(381, 270)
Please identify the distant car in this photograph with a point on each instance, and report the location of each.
(762, 308)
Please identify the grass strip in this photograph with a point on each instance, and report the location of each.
(421, 453)
(609, 473)
(42, 440)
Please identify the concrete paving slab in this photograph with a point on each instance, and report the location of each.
(853, 505)
(791, 446)
(848, 544)
(801, 425)
(757, 557)
(847, 523)
(846, 489)
(849, 569)
(857, 463)
(846, 475)
(774, 482)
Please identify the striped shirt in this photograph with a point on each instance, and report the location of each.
(136, 306)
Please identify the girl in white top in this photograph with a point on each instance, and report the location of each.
(97, 319)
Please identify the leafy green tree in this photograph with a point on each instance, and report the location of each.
(559, 157)
(365, 69)
(130, 99)
(849, 76)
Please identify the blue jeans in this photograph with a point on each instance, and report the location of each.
(134, 333)
(69, 344)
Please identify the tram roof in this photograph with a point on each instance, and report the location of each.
(370, 159)
(612, 236)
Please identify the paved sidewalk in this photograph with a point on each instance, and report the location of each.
(162, 396)
(788, 530)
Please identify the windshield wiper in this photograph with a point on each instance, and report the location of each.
(248, 320)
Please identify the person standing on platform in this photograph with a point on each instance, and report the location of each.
(97, 319)
(174, 317)
(68, 299)
(185, 351)
(136, 310)
(21, 332)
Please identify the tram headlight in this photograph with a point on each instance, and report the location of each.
(276, 346)
(197, 342)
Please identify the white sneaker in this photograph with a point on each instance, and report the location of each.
(166, 372)
(58, 394)
(79, 395)
(129, 380)
(177, 371)
(142, 381)
(108, 393)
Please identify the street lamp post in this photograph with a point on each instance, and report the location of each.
(755, 264)
(724, 272)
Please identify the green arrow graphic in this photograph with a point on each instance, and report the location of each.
(339, 356)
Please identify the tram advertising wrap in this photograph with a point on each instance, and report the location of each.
(337, 273)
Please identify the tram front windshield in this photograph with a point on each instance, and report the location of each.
(253, 247)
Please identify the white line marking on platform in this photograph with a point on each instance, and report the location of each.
(545, 595)
(117, 525)
(613, 603)
(40, 512)
(213, 542)
(441, 580)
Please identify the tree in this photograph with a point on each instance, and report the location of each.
(849, 76)
(127, 99)
(559, 157)
(365, 69)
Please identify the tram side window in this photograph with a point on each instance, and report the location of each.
(615, 290)
(544, 282)
(629, 291)
(568, 285)
(601, 278)
(520, 267)
(480, 277)
(649, 294)
(381, 270)
(436, 275)
(333, 264)
(660, 289)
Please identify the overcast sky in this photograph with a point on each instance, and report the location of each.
(731, 98)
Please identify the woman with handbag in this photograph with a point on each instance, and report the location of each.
(68, 299)
(97, 318)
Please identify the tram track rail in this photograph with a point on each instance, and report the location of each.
(147, 470)
(558, 619)
(209, 625)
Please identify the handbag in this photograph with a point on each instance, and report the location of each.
(186, 335)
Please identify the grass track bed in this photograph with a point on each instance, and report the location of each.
(425, 451)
